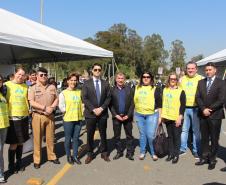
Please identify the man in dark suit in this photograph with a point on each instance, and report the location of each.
(210, 99)
(122, 108)
(96, 98)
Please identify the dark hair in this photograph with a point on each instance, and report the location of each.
(32, 71)
(210, 64)
(141, 79)
(42, 69)
(3, 88)
(96, 64)
(191, 62)
(72, 75)
(168, 80)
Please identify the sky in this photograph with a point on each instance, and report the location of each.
(200, 24)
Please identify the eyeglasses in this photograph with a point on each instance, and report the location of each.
(146, 77)
(173, 79)
(43, 74)
(95, 70)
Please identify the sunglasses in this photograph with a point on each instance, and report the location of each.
(97, 70)
(43, 74)
(146, 77)
(173, 79)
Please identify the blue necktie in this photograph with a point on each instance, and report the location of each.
(208, 85)
(97, 91)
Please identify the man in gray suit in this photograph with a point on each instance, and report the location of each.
(96, 98)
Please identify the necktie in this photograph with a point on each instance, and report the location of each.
(97, 91)
(208, 85)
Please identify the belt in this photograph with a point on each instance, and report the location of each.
(41, 113)
(191, 107)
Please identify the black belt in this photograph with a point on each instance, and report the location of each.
(191, 107)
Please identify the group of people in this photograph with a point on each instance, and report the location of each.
(195, 102)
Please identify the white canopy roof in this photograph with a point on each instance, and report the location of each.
(23, 40)
(219, 57)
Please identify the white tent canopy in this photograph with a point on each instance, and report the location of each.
(219, 58)
(23, 40)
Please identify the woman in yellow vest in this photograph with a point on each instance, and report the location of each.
(70, 104)
(18, 118)
(4, 123)
(147, 100)
(173, 107)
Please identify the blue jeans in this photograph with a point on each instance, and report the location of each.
(147, 125)
(72, 131)
(3, 132)
(191, 118)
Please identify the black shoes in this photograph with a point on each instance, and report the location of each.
(117, 156)
(36, 166)
(70, 160)
(169, 158)
(130, 157)
(201, 162)
(223, 169)
(175, 159)
(211, 165)
(77, 161)
(55, 161)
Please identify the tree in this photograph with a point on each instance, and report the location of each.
(177, 54)
(197, 58)
(154, 53)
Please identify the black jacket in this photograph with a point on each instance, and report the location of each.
(129, 103)
(214, 100)
(89, 98)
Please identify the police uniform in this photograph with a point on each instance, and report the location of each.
(46, 96)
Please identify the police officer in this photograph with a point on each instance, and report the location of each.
(43, 99)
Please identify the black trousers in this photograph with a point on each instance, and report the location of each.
(91, 124)
(117, 126)
(174, 137)
(210, 132)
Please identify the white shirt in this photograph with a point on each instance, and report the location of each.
(212, 79)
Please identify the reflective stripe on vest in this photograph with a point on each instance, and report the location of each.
(171, 103)
(73, 104)
(17, 99)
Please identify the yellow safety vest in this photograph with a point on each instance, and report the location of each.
(189, 85)
(144, 99)
(4, 117)
(17, 99)
(73, 104)
(171, 103)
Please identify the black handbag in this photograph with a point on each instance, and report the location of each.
(160, 142)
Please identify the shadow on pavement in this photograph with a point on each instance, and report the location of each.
(214, 183)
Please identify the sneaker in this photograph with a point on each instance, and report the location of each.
(196, 156)
(155, 157)
(182, 153)
(2, 180)
(141, 156)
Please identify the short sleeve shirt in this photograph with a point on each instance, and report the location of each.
(44, 95)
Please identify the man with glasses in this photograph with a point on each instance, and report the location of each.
(96, 97)
(43, 99)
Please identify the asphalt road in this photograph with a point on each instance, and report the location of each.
(122, 171)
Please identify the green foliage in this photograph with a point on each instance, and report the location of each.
(177, 55)
(132, 53)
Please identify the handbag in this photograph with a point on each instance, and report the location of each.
(160, 142)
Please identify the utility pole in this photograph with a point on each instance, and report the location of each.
(41, 18)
